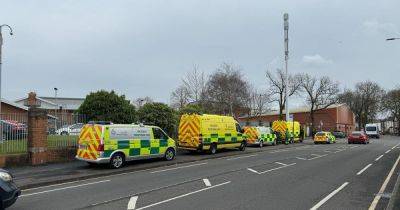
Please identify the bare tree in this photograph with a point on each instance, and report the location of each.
(180, 97)
(258, 103)
(321, 93)
(277, 88)
(364, 101)
(227, 92)
(391, 104)
(195, 82)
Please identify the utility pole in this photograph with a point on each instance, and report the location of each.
(1, 46)
(286, 34)
(55, 109)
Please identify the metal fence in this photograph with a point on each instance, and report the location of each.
(13, 133)
(64, 129)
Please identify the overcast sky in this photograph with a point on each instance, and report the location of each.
(144, 47)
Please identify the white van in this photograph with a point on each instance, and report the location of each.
(373, 130)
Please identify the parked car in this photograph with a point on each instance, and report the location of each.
(339, 134)
(324, 137)
(13, 130)
(9, 191)
(73, 129)
(358, 137)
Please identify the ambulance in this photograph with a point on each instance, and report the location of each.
(259, 135)
(209, 133)
(114, 144)
(294, 131)
(291, 128)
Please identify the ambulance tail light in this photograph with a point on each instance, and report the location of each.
(100, 148)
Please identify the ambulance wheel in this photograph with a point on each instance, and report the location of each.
(117, 160)
(169, 154)
(274, 143)
(213, 149)
(242, 146)
(261, 144)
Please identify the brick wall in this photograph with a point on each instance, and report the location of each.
(337, 118)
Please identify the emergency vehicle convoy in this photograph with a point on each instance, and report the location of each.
(116, 143)
(210, 133)
(259, 135)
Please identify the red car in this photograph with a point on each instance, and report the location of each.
(358, 137)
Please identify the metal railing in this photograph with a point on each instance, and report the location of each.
(13, 133)
(64, 129)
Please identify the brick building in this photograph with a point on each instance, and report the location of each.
(335, 117)
(9, 107)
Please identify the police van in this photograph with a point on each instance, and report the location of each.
(115, 144)
(210, 133)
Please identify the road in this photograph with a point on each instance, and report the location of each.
(307, 176)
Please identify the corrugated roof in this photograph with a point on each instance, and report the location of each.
(14, 104)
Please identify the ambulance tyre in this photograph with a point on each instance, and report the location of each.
(117, 160)
(169, 154)
(261, 144)
(242, 146)
(213, 149)
(274, 143)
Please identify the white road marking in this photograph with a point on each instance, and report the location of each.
(340, 150)
(252, 170)
(382, 190)
(378, 157)
(276, 168)
(365, 168)
(246, 156)
(387, 151)
(132, 203)
(396, 146)
(63, 188)
(207, 182)
(52, 185)
(317, 156)
(181, 196)
(280, 150)
(327, 151)
(281, 163)
(353, 147)
(170, 169)
(319, 204)
(300, 158)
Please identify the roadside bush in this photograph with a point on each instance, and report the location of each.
(108, 106)
(159, 114)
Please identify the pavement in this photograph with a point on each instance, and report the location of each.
(299, 176)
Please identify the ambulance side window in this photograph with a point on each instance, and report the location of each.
(159, 134)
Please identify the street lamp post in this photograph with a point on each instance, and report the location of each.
(1, 46)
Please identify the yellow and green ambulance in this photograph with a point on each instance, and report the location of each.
(115, 144)
(259, 135)
(209, 133)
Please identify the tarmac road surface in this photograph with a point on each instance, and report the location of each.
(322, 176)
